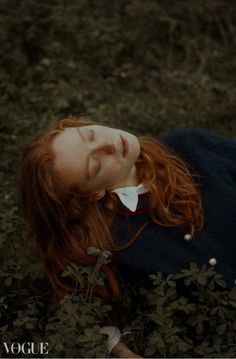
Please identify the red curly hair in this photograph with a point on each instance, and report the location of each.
(65, 223)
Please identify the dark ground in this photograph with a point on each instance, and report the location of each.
(148, 67)
(145, 66)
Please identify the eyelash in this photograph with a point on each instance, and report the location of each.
(97, 167)
(91, 135)
(98, 163)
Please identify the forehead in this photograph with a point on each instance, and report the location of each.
(69, 153)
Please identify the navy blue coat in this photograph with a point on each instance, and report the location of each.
(164, 249)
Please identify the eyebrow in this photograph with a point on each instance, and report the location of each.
(87, 160)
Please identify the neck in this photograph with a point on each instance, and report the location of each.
(131, 180)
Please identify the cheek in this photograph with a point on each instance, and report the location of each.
(112, 170)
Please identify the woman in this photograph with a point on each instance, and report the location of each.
(157, 205)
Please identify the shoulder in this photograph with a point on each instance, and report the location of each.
(210, 155)
(189, 134)
(198, 139)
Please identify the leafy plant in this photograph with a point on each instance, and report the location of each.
(196, 317)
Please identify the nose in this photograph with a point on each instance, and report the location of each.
(105, 146)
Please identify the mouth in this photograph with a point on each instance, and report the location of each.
(125, 146)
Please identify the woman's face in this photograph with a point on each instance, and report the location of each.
(96, 157)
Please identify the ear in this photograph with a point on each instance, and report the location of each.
(96, 196)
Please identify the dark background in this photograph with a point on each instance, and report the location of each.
(145, 66)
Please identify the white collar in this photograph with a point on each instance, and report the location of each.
(129, 195)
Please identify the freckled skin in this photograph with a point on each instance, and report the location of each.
(98, 150)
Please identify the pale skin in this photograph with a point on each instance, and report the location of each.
(121, 350)
(97, 159)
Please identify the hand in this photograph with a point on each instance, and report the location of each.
(121, 350)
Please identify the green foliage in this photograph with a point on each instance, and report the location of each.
(198, 320)
(191, 313)
(148, 67)
(74, 329)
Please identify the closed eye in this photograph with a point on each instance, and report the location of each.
(91, 135)
(97, 166)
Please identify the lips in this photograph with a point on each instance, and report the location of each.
(125, 146)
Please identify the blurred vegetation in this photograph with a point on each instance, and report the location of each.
(148, 67)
